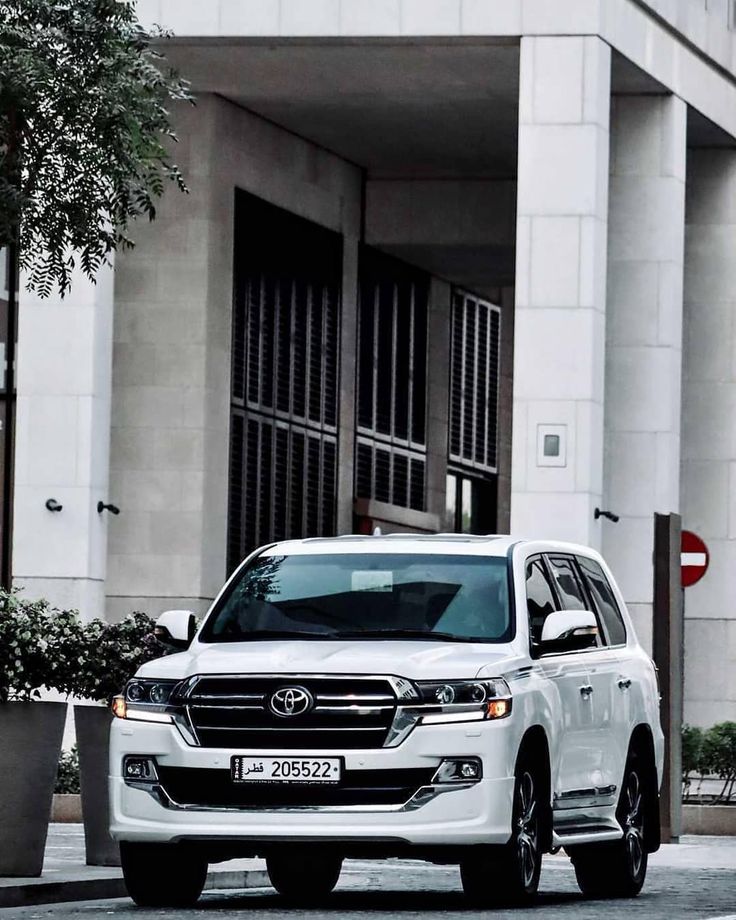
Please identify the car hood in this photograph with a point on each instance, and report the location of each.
(418, 660)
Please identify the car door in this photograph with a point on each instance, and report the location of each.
(614, 680)
(568, 675)
(588, 784)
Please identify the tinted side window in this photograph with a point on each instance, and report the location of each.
(605, 603)
(568, 585)
(540, 597)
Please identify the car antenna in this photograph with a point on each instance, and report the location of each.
(377, 532)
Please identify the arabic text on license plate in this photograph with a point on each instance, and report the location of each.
(286, 769)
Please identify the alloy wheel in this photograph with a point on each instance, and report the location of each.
(527, 828)
(634, 823)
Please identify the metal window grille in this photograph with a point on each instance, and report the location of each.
(284, 406)
(392, 382)
(474, 381)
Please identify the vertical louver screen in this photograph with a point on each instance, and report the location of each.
(474, 376)
(283, 450)
(392, 382)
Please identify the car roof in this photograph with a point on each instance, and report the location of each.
(443, 543)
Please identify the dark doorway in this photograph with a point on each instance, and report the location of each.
(391, 443)
(472, 481)
(285, 369)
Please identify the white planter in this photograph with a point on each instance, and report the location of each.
(67, 808)
(709, 820)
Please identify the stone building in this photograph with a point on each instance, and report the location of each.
(445, 264)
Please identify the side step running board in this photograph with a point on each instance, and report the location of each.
(590, 833)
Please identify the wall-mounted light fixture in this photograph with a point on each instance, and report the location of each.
(606, 514)
(113, 509)
(53, 505)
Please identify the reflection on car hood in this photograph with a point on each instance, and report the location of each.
(418, 660)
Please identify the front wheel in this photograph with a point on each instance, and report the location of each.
(618, 870)
(510, 874)
(162, 874)
(303, 877)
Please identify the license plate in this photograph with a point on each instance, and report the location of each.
(286, 769)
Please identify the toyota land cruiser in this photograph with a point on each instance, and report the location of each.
(471, 700)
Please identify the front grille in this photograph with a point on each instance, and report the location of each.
(233, 712)
(215, 789)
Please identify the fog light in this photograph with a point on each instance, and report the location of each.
(139, 770)
(459, 771)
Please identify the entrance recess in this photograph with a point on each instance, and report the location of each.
(284, 403)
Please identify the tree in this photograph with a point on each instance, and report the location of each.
(84, 133)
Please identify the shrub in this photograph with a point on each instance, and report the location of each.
(692, 749)
(719, 756)
(67, 779)
(112, 653)
(40, 646)
(692, 754)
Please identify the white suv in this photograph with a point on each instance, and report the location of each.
(469, 700)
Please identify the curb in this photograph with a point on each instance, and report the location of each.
(26, 894)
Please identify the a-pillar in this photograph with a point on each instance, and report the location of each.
(709, 433)
(646, 238)
(564, 113)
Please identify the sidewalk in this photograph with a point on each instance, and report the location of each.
(66, 877)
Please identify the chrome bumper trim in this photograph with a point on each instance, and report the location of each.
(421, 797)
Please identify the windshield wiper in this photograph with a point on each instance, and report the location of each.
(400, 634)
(276, 634)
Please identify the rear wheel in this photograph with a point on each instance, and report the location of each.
(618, 869)
(162, 874)
(510, 874)
(303, 877)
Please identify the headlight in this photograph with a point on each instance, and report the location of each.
(145, 700)
(464, 700)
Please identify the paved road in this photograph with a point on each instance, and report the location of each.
(675, 890)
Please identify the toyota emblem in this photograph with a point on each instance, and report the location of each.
(291, 701)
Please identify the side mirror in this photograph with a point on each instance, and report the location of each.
(175, 629)
(569, 630)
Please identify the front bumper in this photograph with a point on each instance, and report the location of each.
(478, 813)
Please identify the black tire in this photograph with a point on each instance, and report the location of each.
(162, 874)
(303, 877)
(509, 875)
(618, 869)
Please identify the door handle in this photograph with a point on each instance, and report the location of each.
(586, 691)
(624, 683)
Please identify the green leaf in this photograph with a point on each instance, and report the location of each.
(85, 133)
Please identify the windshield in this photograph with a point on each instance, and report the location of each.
(371, 595)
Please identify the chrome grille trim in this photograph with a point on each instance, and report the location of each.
(278, 728)
(338, 719)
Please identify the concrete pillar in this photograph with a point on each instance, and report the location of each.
(709, 432)
(63, 444)
(438, 394)
(348, 365)
(560, 287)
(505, 410)
(646, 241)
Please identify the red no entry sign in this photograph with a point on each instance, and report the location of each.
(694, 558)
